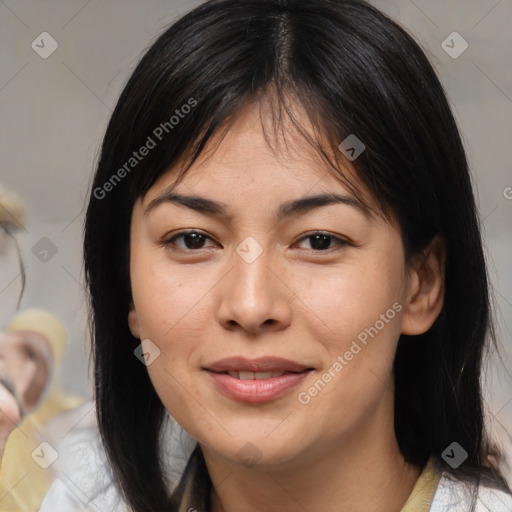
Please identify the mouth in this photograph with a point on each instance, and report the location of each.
(248, 375)
(265, 364)
(256, 380)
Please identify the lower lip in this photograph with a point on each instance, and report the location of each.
(257, 390)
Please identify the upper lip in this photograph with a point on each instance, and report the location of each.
(261, 364)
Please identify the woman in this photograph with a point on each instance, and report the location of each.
(282, 252)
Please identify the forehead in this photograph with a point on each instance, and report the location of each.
(251, 159)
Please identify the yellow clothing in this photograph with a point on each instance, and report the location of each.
(23, 483)
(422, 495)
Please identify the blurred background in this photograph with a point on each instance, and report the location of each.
(63, 64)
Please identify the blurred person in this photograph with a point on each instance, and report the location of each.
(12, 213)
(26, 365)
(12, 221)
(10, 412)
(32, 346)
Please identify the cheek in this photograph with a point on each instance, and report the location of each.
(171, 304)
(164, 294)
(353, 298)
(361, 305)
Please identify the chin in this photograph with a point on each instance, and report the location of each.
(256, 447)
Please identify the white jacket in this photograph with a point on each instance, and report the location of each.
(84, 482)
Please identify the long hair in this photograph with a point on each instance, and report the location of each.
(353, 71)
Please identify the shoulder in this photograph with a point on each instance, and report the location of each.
(83, 479)
(455, 496)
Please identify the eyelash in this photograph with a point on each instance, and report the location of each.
(340, 242)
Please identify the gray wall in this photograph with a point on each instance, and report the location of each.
(54, 111)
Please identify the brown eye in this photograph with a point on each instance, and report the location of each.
(193, 240)
(321, 241)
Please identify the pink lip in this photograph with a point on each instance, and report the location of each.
(260, 364)
(256, 390)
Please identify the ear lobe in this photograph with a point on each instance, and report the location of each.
(426, 289)
(133, 322)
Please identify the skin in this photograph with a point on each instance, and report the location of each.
(10, 414)
(339, 452)
(25, 370)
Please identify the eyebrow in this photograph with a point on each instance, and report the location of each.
(291, 208)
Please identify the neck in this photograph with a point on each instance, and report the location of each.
(363, 471)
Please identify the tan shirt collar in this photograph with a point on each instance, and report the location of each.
(422, 495)
(420, 499)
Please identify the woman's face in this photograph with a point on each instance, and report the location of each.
(254, 289)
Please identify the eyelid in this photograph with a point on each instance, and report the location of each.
(340, 241)
(168, 241)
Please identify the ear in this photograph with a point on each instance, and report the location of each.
(133, 321)
(426, 285)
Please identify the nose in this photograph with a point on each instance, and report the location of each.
(254, 296)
